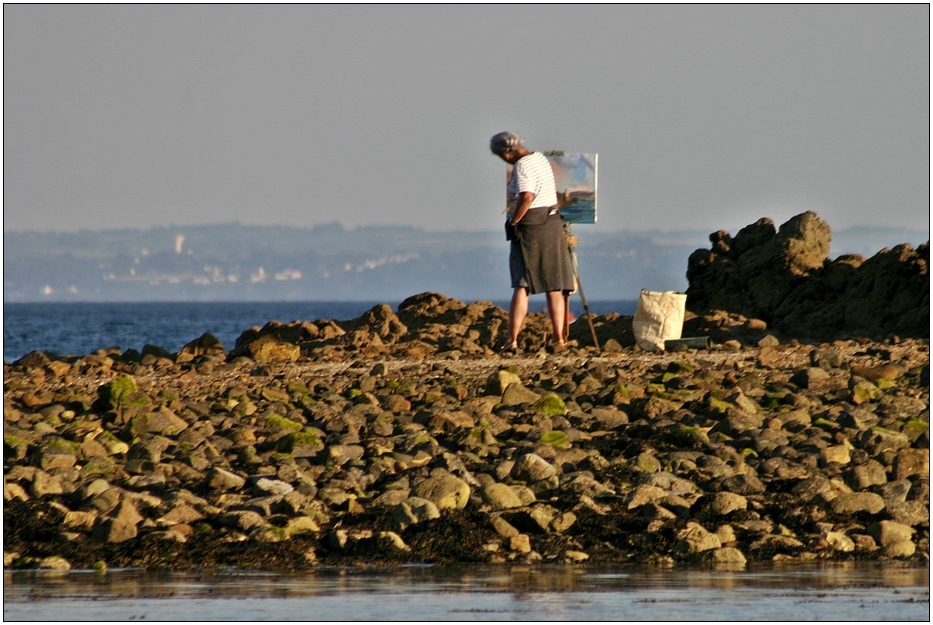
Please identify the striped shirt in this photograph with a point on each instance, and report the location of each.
(533, 173)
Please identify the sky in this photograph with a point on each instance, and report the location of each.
(704, 116)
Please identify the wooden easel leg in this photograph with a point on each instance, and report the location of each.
(566, 336)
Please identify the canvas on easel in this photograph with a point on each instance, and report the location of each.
(575, 179)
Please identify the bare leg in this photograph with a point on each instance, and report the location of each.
(555, 308)
(517, 313)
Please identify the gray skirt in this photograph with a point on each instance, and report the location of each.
(539, 259)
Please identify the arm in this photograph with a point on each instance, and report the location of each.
(525, 198)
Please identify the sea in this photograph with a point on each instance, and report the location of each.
(841, 592)
(78, 329)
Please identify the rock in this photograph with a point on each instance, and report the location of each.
(205, 345)
(181, 514)
(412, 511)
(725, 555)
(269, 534)
(14, 491)
(114, 530)
(873, 374)
(500, 381)
(269, 349)
(501, 496)
(520, 543)
(162, 421)
(518, 395)
(818, 380)
(396, 403)
(55, 460)
(870, 473)
(265, 486)
(302, 525)
(391, 541)
(890, 532)
(503, 527)
(444, 490)
(609, 418)
(786, 278)
(723, 503)
(572, 556)
(126, 512)
(838, 454)
(826, 358)
(878, 440)
(912, 513)
(45, 484)
(55, 563)
(743, 484)
(769, 341)
(644, 494)
(840, 542)
(391, 498)
(694, 538)
(34, 359)
(894, 492)
(851, 503)
(531, 468)
(221, 479)
(912, 461)
(243, 520)
(900, 549)
(341, 454)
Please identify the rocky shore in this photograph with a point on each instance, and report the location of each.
(401, 436)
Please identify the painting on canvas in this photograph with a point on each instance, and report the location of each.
(575, 179)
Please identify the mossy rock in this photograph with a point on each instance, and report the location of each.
(276, 421)
(113, 393)
(656, 389)
(677, 367)
(863, 394)
(99, 466)
(392, 385)
(282, 458)
(297, 387)
(916, 425)
(306, 438)
(551, 405)
(884, 384)
(63, 446)
(352, 393)
(306, 400)
(693, 433)
(14, 441)
(274, 394)
(620, 394)
(556, 439)
(748, 451)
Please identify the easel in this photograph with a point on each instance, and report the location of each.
(572, 241)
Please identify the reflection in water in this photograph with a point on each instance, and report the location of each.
(837, 591)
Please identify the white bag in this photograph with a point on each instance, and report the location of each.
(660, 316)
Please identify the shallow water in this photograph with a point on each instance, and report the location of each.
(837, 592)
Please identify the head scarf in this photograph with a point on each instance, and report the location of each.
(505, 142)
